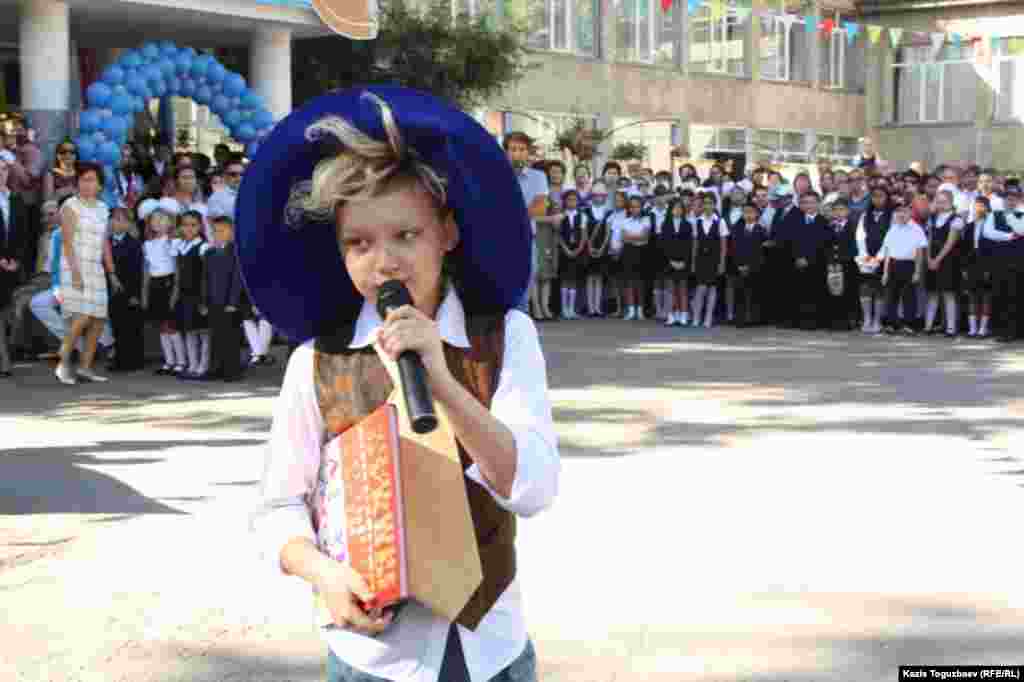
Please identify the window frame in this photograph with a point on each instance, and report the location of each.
(716, 146)
(998, 60)
(786, 54)
(837, 59)
(569, 37)
(721, 64)
(922, 99)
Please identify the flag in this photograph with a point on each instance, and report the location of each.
(1015, 46)
(874, 33)
(827, 26)
(852, 29)
(938, 40)
(955, 37)
(742, 13)
(666, 5)
(810, 23)
(894, 36)
(717, 9)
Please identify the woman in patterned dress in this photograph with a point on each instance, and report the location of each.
(86, 259)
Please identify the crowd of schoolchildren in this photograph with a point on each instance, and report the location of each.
(169, 261)
(868, 248)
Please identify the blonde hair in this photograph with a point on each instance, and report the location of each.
(362, 168)
(161, 215)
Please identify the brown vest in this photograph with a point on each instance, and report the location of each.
(352, 383)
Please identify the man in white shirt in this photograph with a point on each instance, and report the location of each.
(534, 186)
(987, 190)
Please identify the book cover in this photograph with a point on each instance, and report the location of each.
(358, 510)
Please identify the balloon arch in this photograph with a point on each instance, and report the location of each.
(155, 70)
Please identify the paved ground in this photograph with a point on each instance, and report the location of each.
(736, 505)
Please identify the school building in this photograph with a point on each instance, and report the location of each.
(49, 49)
(723, 81)
(963, 102)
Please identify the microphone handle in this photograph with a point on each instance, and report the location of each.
(418, 401)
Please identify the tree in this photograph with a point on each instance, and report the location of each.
(467, 61)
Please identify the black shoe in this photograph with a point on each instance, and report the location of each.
(909, 331)
(5, 375)
(232, 379)
(1004, 338)
(164, 371)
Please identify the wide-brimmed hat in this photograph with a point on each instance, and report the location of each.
(293, 268)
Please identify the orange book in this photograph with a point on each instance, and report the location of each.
(358, 511)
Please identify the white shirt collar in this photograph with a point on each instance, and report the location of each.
(451, 321)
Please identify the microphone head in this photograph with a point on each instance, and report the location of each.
(390, 295)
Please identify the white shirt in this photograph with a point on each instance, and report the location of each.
(735, 214)
(705, 223)
(159, 256)
(8, 156)
(766, 219)
(412, 649)
(5, 207)
(183, 248)
(901, 241)
(988, 229)
(635, 228)
(659, 218)
(221, 203)
(617, 225)
(533, 183)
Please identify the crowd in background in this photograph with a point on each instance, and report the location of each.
(95, 268)
(916, 250)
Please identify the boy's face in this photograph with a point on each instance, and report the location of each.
(840, 213)
(750, 214)
(119, 223)
(809, 204)
(397, 235)
(224, 232)
(189, 228)
(571, 202)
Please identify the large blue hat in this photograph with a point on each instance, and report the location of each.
(295, 275)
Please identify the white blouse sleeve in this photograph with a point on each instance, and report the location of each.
(862, 240)
(292, 462)
(521, 403)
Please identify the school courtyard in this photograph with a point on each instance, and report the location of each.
(736, 505)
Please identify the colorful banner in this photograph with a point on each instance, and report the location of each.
(742, 13)
(938, 40)
(874, 34)
(811, 23)
(852, 29)
(894, 36)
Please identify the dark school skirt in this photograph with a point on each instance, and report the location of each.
(188, 317)
(572, 268)
(159, 299)
(635, 262)
(946, 278)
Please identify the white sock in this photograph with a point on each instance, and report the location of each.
(598, 294)
(204, 352)
(933, 309)
(572, 302)
(565, 302)
(252, 336)
(865, 308)
(168, 349)
(879, 312)
(698, 302)
(709, 311)
(266, 336)
(659, 302)
(983, 328)
(952, 316)
(684, 317)
(972, 323)
(178, 345)
(192, 348)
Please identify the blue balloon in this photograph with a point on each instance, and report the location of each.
(200, 66)
(183, 64)
(150, 51)
(216, 72)
(263, 119)
(219, 105)
(190, 51)
(113, 75)
(99, 137)
(119, 90)
(159, 88)
(234, 85)
(130, 61)
(121, 105)
(99, 94)
(109, 125)
(138, 104)
(252, 148)
(110, 152)
(188, 87)
(168, 49)
(251, 100)
(203, 95)
(86, 148)
(173, 85)
(233, 118)
(246, 133)
(135, 84)
(89, 121)
(166, 67)
(152, 73)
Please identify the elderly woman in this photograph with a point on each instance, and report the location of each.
(85, 262)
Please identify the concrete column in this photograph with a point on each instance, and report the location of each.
(271, 69)
(752, 43)
(681, 26)
(814, 48)
(45, 42)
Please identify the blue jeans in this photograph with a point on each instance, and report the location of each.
(523, 669)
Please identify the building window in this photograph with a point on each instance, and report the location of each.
(645, 32)
(777, 50)
(839, 149)
(716, 43)
(931, 90)
(557, 25)
(473, 8)
(705, 139)
(1009, 70)
(833, 59)
(543, 127)
(782, 146)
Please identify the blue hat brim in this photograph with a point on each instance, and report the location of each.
(296, 276)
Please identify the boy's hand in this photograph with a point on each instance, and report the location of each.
(230, 309)
(203, 310)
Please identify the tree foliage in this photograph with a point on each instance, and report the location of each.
(466, 61)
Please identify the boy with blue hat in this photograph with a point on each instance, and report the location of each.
(358, 188)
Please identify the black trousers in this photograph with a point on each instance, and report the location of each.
(1007, 289)
(225, 342)
(126, 321)
(901, 278)
(748, 308)
(807, 290)
(774, 277)
(839, 312)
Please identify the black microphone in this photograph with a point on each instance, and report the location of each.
(418, 401)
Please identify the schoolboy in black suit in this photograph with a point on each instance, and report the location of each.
(126, 317)
(225, 300)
